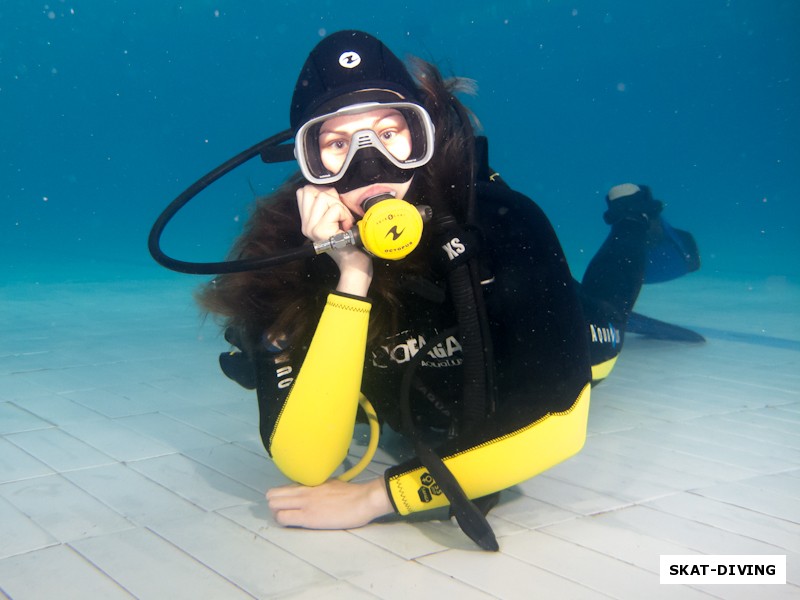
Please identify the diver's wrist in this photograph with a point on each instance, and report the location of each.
(378, 498)
(354, 282)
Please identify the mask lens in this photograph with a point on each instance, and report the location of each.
(326, 145)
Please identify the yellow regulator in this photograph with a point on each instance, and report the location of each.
(390, 229)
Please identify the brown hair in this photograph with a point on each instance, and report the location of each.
(285, 301)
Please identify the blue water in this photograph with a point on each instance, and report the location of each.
(110, 109)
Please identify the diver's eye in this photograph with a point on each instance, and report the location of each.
(334, 145)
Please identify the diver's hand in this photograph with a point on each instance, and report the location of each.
(332, 505)
(323, 215)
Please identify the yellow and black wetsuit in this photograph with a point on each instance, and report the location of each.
(308, 399)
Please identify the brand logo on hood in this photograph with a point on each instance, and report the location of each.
(349, 59)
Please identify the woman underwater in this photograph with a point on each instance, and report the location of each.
(316, 333)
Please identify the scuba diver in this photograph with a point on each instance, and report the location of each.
(477, 344)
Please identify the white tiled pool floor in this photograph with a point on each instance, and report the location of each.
(130, 467)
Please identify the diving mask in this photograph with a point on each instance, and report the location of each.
(401, 133)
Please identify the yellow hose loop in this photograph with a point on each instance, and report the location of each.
(372, 447)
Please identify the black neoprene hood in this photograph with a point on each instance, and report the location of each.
(343, 63)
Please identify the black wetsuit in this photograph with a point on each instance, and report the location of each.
(544, 349)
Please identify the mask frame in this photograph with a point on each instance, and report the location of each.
(308, 155)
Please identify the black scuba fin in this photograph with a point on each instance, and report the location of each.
(239, 367)
(653, 328)
(672, 254)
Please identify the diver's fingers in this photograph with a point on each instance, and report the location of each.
(311, 204)
(347, 220)
(291, 489)
(285, 499)
(288, 518)
(322, 212)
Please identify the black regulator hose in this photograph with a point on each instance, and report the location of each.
(463, 292)
(390, 229)
(465, 282)
(233, 266)
(458, 250)
(468, 515)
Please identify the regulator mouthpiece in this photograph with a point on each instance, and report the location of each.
(390, 229)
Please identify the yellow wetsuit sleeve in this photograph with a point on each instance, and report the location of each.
(499, 463)
(313, 431)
